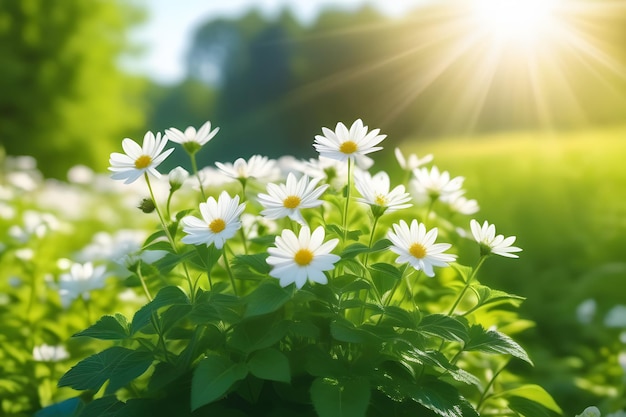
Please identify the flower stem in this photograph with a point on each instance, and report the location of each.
(345, 208)
(143, 282)
(194, 168)
(170, 237)
(467, 285)
(367, 255)
(230, 272)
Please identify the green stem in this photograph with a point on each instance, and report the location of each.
(192, 294)
(467, 285)
(392, 293)
(345, 208)
(369, 245)
(230, 272)
(194, 168)
(484, 396)
(167, 205)
(143, 282)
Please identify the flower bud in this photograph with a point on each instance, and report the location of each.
(146, 205)
(177, 177)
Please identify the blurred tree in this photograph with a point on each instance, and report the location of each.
(64, 100)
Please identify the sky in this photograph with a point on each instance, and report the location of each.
(167, 32)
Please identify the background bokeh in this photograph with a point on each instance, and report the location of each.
(537, 127)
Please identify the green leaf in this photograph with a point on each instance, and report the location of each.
(349, 283)
(533, 393)
(117, 364)
(437, 359)
(381, 244)
(266, 298)
(170, 261)
(492, 341)
(107, 328)
(107, 406)
(344, 331)
(445, 327)
(440, 397)
(164, 245)
(340, 398)
(387, 270)
(270, 364)
(204, 257)
(257, 334)
(488, 295)
(353, 250)
(154, 236)
(399, 317)
(464, 271)
(254, 263)
(167, 296)
(213, 378)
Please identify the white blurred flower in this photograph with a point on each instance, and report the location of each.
(259, 167)
(620, 413)
(334, 172)
(23, 180)
(486, 237)
(47, 353)
(7, 212)
(220, 221)
(138, 160)
(294, 259)
(79, 281)
(412, 162)
(417, 247)
(432, 184)
(6, 193)
(459, 204)
(191, 140)
(107, 247)
(586, 311)
(375, 191)
(257, 226)
(80, 174)
(25, 254)
(343, 144)
(616, 317)
(286, 200)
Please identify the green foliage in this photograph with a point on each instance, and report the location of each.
(64, 99)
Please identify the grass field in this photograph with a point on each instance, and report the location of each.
(564, 196)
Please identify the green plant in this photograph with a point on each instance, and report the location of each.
(314, 303)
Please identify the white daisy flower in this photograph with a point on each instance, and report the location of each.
(298, 258)
(412, 162)
(353, 144)
(190, 136)
(220, 221)
(433, 184)
(375, 191)
(418, 247)
(486, 237)
(177, 177)
(286, 200)
(137, 160)
(79, 281)
(259, 167)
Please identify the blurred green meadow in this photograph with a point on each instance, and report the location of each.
(562, 195)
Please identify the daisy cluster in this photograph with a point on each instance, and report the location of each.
(301, 206)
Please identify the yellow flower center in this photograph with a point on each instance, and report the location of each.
(348, 147)
(143, 161)
(217, 225)
(380, 200)
(291, 202)
(417, 250)
(303, 257)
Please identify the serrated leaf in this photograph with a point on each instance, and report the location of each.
(117, 364)
(445, 327)
(534, 393)
(340, 398)
(213, 378)
(107, 328)
(399, 317)
(255, 263)
(270, 364)
(488, 295)
(344, 331)
(492, 341)
(437, 359)
(266, 298)
(167, 296)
